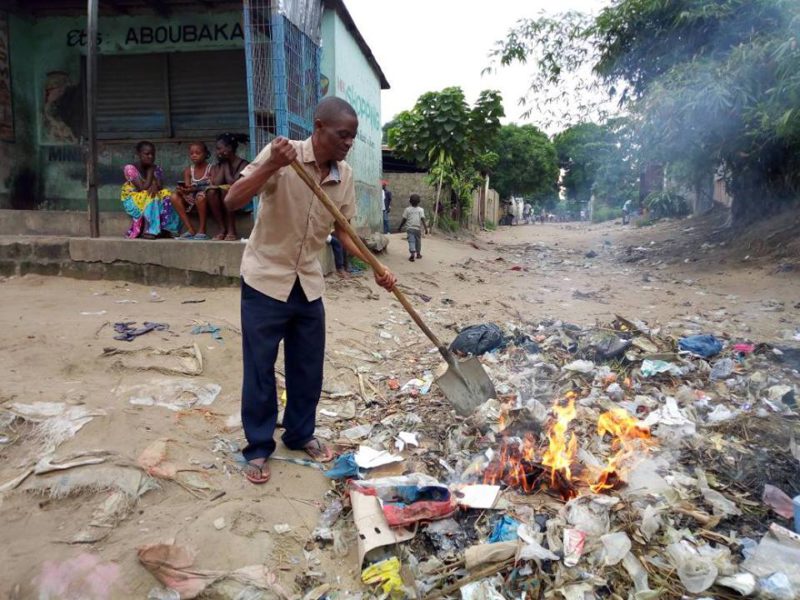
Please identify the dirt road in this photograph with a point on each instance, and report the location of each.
(55, 331)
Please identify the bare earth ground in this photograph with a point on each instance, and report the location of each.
(50, 352)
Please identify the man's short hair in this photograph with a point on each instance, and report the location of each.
(414, 199)
(332, 107)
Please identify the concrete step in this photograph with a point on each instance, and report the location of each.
(72, 223)
(152, 262)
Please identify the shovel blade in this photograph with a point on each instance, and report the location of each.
(467, 386)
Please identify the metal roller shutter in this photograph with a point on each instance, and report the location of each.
(208, 92)
(132, 96)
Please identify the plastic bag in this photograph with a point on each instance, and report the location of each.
(387, 574)
(615, 547)
(478, 339)
(505, 530)
(705, 346)
(697, 573)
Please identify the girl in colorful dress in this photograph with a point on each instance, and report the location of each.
(192, 192)
(225, 173)
(145, 198)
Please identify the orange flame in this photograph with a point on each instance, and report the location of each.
(561, 450)
(516, 464)
(629, 436)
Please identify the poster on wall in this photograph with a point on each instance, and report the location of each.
(6, 105)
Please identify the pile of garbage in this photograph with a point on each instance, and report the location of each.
(619, 460)
(616, 461)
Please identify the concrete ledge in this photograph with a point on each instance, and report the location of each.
(213, 258)
(152, 262)
(72, 223)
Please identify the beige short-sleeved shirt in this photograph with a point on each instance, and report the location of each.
(292, 226)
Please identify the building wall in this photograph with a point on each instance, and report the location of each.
(350, 76)
(402, 185)
(17, 148)
(46, 62)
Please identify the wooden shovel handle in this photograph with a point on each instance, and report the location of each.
(373, 262)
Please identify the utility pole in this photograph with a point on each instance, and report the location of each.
(91, 119)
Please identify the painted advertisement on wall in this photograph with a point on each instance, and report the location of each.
(62, 41)
(348, 75)
(6, 101)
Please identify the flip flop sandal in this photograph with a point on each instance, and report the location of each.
(219, 237)
(200, 236)
(186, 236)
(318, 451)
(231, 238)
(261, 478)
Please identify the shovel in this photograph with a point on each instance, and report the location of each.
(465, 383)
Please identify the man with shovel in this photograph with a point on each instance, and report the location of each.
(282, 280)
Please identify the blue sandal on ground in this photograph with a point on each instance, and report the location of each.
(186, 236)
(200, 236)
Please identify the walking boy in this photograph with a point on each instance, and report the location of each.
(282, 280)
(414, 218)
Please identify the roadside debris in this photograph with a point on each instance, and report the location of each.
(626, 459)
(127, 332)
(185, 360)
(613, 458)
(173, 394)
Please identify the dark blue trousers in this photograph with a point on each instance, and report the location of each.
(301, 326)
(338, 252)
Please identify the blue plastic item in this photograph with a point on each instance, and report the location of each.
(345, 467)
(702, 345)
(505, 530)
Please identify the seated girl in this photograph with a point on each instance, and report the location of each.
(145, 198)
(192, 192)
(227, 170)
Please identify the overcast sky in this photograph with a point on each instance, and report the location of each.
(427, 45)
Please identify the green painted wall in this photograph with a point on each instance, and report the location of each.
(18, 163)
(351, 77)
(46, 66)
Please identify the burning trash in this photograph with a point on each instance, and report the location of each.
(530, 466)
(600, 489)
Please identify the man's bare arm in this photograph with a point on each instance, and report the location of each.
(281, 155)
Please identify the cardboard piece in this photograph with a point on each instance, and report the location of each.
(373, 530)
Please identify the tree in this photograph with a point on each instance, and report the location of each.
(385, 130)
(443, 134)
(596, 162)
(710, 83)
(527, 165)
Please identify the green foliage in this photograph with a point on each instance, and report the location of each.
(385, 130)
(597, 160)
(358, 263)
(527, 164)
(712, 83)
(453, 141)
(490, 225)
(443, 128)
(447, 224)
(666, 204)
(602, 213)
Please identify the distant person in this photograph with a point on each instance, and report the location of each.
(191, 192)
(224, 174)
(526, 214)
(339, 256)
(626, 212)
(414, 219)
(386, 195)
(145, 198)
